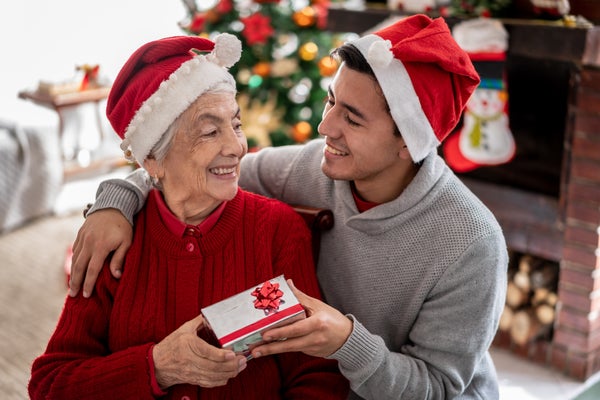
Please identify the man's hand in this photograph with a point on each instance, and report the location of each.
(102, 232)
(323, 332)
(183, 357)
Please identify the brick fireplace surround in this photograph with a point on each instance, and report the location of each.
(548, 198)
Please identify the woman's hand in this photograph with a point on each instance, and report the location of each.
(322, 333)
(183, 357)
(102, 232)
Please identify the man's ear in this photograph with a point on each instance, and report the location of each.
(403, 150)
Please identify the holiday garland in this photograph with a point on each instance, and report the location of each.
(479, 8)
(285, 67)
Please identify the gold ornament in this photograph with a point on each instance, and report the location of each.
(284, 67)
(301, 132)
(327, 66)
(260, 118)
(305, 17)
(243, 76)
(308, 51)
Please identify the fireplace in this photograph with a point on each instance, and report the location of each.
(548, 198)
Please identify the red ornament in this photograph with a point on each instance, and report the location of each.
(224, 7)
(197, 24)
(257, 29)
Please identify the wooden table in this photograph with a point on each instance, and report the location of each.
(58, 103)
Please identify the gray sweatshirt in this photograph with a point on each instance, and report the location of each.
(423, 277)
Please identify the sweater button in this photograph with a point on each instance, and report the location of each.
(190, 247)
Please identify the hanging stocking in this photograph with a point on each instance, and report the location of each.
(484, 138)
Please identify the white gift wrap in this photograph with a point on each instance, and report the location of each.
(237, 323)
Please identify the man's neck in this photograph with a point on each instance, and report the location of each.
(383, 192)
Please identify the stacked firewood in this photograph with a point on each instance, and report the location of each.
(531, 298)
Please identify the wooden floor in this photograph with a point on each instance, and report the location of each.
(32, 292)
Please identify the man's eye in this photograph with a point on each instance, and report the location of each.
(351, 121)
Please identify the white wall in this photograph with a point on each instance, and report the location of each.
(46, 39)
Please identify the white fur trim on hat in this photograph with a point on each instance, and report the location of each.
(174, 95)
(400, 95)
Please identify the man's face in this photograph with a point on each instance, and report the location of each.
(203, 162)
(359, 134)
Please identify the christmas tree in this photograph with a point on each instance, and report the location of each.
(285, 67)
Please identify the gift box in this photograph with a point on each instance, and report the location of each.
(237, 323)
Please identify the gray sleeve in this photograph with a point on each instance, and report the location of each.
(126, 195)
(464, 308)
(266, 171)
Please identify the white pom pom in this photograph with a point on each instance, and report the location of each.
(380, 54)
(227, 51)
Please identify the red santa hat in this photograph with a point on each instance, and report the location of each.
(160, 81)
(425, 77)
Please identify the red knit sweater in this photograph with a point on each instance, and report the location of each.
(100, 347)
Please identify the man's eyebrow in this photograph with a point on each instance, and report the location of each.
(350, 108)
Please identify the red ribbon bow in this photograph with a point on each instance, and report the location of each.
(268, 296)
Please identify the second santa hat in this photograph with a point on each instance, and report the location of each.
(425, 77)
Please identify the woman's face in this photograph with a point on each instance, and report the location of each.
(201, 169)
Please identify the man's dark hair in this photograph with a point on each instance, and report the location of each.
(354, 59)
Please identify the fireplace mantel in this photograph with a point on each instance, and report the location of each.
(538, 39)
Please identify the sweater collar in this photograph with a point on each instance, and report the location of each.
(361, 204)
(417, 195)
(151, 224)
(180, 228)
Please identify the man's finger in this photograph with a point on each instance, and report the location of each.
(294, 330)
(79, 262)
(94, 267)
(117, 261)
(277, 347)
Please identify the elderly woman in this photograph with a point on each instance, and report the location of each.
(198, 240)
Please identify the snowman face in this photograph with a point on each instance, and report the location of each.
(486, 103)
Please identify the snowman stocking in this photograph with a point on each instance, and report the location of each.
(484, 138)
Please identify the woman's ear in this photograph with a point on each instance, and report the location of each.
(153, 167)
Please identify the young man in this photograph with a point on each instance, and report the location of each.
(414, 269)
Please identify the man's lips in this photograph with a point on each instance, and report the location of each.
(334, 151)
